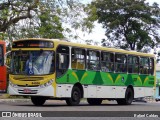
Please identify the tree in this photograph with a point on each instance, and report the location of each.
(129, 24)
(44, 23)
(13, 11)
(40, 18)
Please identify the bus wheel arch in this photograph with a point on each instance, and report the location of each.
(76, 95)
(80, 87)
(129, 96)
(131, 87)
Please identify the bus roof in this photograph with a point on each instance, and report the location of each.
(61, 42)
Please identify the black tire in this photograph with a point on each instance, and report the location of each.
(37, 100)
(75, 97)
(129, 96)
(94, 101)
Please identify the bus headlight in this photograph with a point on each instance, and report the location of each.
(13, 85)
(47, 84)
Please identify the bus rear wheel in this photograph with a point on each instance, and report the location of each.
(37, 100)
(75, 97)
(94, 101)
(129, 96)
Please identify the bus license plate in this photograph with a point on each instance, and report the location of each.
(27, 91)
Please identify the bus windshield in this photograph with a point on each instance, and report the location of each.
(32, 62)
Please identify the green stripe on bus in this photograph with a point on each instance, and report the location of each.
(102, 78)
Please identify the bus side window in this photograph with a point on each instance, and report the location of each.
(144, 65)
(107, 62)
(62, 60)
(120, 63)
(78, 59)
(93, 60)
(133, 64)
(151, 66)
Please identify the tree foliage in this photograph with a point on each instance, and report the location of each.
(44, 23)
(129, 24)
(40, 18)
(13, 11)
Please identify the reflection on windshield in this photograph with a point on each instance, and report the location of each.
(32, 62)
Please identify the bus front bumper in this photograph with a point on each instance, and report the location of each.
(32, 91)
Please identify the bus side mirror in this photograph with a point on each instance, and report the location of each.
(7, 59)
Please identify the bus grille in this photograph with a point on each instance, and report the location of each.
(22, 91)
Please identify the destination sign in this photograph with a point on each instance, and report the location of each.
(33, 44)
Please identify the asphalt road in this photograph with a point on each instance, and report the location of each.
(55, 105)
(60, 111)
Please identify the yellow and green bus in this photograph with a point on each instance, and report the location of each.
(54, 69)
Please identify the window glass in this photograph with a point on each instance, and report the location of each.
(107, 62)
(133, 64)
(120, 63)
(78, 58)
(151, 66)
(62, 60)
(144, 65)
(32, 62)
(93, 59)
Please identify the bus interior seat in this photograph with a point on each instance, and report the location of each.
(74, 64)
(80, 65)
(77, 65)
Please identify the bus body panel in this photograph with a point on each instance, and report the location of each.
(32, 85)
(103, 78)
(98, 91)
(31, 91)
(114, 84)
(3, 79)
(3, 69)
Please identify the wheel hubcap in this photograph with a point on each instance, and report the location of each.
(75, 96)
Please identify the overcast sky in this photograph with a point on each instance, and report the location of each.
(98, 31)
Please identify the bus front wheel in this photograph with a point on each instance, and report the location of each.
(37, 100)
(94, 101)
(129, 96)
(75, 97)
